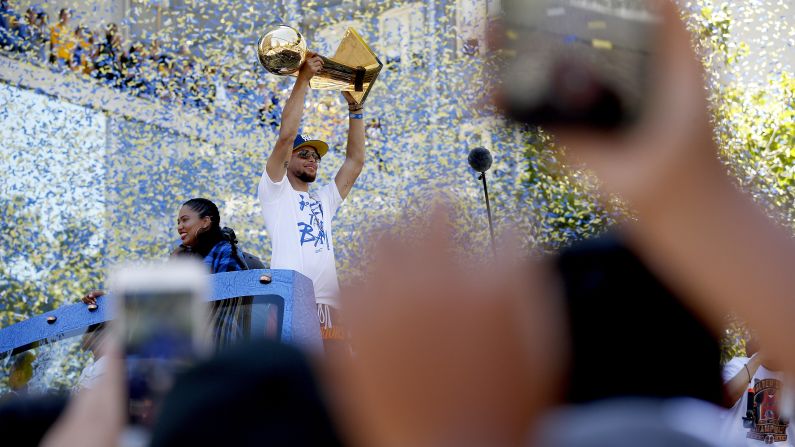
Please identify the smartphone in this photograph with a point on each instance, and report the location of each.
(575, 62)
(160, 319)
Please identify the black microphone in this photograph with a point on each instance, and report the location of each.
(480, 160)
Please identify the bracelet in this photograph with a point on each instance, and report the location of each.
(356, 116)
(355, 107)
(748, 372)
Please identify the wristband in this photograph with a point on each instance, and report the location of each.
(356, 116)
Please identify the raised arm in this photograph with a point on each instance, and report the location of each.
(276, 167)
(709, 242)
(354, 154)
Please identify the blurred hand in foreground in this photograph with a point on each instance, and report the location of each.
(671, 149)
(708, 241)
(447, 354)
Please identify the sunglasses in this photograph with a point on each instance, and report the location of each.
(306, 154)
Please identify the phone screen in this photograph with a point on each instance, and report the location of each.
(576, 62)
(159, 343)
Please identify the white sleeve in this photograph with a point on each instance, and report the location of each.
(269, 191)
(732, 367)
(330, 197)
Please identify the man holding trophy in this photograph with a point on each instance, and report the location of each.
(298, 220)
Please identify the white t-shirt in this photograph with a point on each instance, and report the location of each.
(765, 424)
(299, 224)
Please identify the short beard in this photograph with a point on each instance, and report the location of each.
(306, 177)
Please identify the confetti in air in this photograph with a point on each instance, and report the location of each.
(112, 118)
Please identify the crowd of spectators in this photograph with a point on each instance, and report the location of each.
(144, 69)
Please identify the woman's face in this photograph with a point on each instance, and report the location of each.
(189, 225)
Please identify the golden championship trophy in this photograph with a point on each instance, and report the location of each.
(352, 70)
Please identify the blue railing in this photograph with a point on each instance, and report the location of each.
(292, 291)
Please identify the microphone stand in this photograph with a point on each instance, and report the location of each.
(488, 211)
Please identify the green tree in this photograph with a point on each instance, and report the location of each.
(754, 122)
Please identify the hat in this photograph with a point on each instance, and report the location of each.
(320, 146)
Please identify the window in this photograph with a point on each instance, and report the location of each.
(471, 18)
(402, 36)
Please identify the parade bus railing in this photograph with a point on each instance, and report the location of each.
(49, 352)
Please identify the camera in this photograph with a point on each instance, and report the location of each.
(574, 62)
(160, 320)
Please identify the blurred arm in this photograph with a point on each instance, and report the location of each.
(721, 248)
(708, 241)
